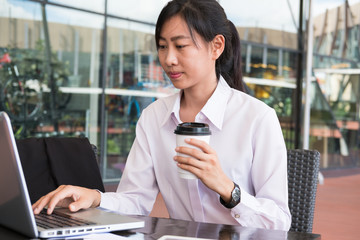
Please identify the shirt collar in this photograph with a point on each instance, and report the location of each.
(214, 109)
(173, 106)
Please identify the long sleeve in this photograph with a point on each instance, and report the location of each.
(137, 189)
(267, 206)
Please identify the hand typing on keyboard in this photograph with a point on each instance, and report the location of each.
(67, 196)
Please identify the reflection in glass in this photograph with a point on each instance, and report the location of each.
(55, 65)
(265, 19)
(59, 93)
(62, 56)
(21, 81)
(137, 10)
(97, 6)
(334, 108)
(135, 79)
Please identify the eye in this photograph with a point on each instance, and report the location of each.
(180, 46)
(162, 46)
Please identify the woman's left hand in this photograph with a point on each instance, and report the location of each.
(205, 165)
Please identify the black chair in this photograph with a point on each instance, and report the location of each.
(50, 162)
(303, 171)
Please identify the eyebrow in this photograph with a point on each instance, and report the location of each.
(175, 38)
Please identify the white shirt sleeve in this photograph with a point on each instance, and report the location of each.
(137, 190)
(268, 208)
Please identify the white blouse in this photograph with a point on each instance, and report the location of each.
(247, 137)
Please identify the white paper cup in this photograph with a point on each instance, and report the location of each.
(186, 130)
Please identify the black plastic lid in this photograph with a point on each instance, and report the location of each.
(192, 128)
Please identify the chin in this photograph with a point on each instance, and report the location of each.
(180, 86)
(177, 84)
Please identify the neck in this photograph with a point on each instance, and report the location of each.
(194, 99)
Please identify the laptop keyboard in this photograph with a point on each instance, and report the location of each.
(56, 220)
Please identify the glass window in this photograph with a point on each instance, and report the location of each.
(76, 59)
(72, 82)
(59, 65)
(60, 62)
(135, 79)
(334, 125)
(138, 10)
(262, 22)
(97, 5)
(269, 40)
(21, 80)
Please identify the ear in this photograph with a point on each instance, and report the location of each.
(218, 45)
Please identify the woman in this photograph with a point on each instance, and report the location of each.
(242, 173)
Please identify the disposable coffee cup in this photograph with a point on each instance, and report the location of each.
(186, 130)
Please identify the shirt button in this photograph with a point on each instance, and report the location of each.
(237, 215)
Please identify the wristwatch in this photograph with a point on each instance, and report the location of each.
(235, 197)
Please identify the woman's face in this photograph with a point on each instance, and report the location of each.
(187, 61)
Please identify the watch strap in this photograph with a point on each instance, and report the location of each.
(235, 197)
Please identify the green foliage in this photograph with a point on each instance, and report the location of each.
(31, 64)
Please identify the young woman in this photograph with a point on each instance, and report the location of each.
(242, 173)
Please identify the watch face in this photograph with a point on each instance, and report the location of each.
(235, 198)
(236, 194)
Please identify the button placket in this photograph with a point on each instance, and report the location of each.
(197, 208)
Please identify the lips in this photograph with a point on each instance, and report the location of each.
(175, 75)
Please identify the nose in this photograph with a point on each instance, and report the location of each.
(171, 57)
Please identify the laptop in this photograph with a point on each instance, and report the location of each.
(15, 207)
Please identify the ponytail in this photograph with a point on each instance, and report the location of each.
(229, 63)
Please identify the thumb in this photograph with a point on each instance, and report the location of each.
(78, 204)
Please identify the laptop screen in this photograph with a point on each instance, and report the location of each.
(15, 207)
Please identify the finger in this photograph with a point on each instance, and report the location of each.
(192, 152)
(190, 168)
(39, 205)
(204, 146)
(88, 198)
(81, 203)
(36, 207)
(69, 192)
(188, 161)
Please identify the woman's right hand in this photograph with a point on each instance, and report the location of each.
(67, 196)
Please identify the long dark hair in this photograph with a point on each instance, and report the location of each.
(208, 19)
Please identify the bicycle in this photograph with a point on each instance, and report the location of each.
(20, 97)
